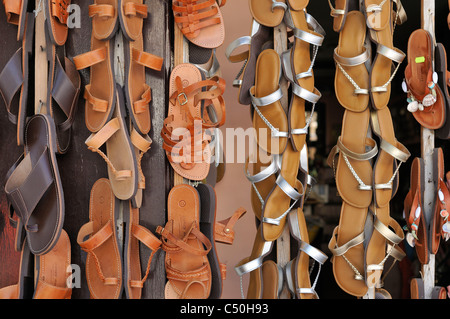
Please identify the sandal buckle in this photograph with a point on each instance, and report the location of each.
(185, 98)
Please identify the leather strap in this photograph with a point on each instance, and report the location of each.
(11, 80)
(90, 58)
(12, 9)
(102, 10)
(148, 60)
(59, 10)
(134, 9)
(47, 291)
(143, 104)
(223, 230)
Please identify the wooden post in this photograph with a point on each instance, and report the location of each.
(41, 68)
(427, 149)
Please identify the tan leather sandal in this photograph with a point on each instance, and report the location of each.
(52, 271)
(269, 13)
(187, 266)
(103, 261)
(56, 13)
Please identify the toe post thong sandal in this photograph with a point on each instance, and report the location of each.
(34, 187)
(104, 256)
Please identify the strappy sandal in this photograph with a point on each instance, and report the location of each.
(15, 77)
(120, 155)
(425, 97)
(201, 22)
(379, 19)
(297, 270)
(271, 124)
(16, 13)
(269, 13)
(444, 84)
(56, 14)
(34, 188)
(253, 266)
(52, 271)
(353, 174)
(187, 265)
(137, 91)
(440, 226)
(298, 69)
(383, 241)
(352, 77)
(103, 261)
(100, 94)
(185, 131)
(260, 39)
(134, 235)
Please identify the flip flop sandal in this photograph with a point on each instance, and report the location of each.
(283, 197)
(187, 265)
(261, 38)
(141, 145)
(271, 124)
(15, 77)
(353, 174)
(415, 221)
(34, 188)
(425, 97)
(298, 69)
(384, 241)
(56, 20)
(269, 13)
(16, 13)
(272, 276)
(188, 124)
(297, 270)
(62, 95)
(24, 289)
(352, 77)
(253, 266)
(134, 235)
(440, 227)
(201, 22)
(100, 94)
(103, 261)
(381, 27)
(443, 84)
(138, 94)
(120, 155)
(52, 271)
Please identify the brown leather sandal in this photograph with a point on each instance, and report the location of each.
(34, 187)
(52, 271)
(185, 133)
(135, 234)
(120, 156)
(100, 94)
(187, 265)
(15, 82)
(425, 97)
(16, 12)
(56, 14)
(200, 21)
(104, 259)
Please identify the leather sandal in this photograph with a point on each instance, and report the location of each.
(261, 38)
(134, 235)
(16, 13)
(271, 124)
(186, 132)
(353, 174)
(270, 13)
(100, 94)
(103, 261)
(252, 265)
(201, 22)
(14, 82)
(352, 77)
(187, 265)
(56, 14)
(137, 92)
(34, 188)
(381, 24)
(440, 227)
(443, 83)
(141, 145)
(297, 270)
(52, 271)
(272, 276)
(426, 100)
(298, 69)
(25, 288)
(339, 13)
(120, 155)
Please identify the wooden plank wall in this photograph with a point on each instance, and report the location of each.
(80, 168)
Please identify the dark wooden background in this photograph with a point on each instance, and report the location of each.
(80, 168)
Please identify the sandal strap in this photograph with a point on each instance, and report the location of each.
(341, 250)
(335, 13)
(239, 42)
(97, 104)
(27, 192)
(394, 55)
(102, 10)
(349, 62)
(11, 80)
(246, 266)
(223, 230)
(59, 10)
(143, 144)
(90, 58)
(148, 60)
(134, 9)
(143, 104)
(12, 9)
(272, 169)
